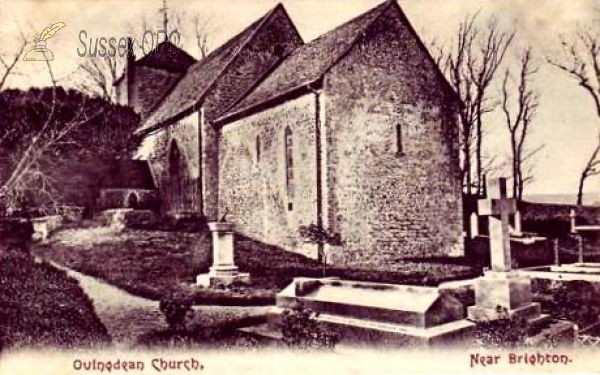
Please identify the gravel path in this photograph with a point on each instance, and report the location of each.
(125, 316)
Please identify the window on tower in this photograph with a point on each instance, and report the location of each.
(257, 149)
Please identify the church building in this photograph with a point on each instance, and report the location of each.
(355, 131)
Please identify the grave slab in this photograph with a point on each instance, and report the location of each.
(385, 314)
(577, 268)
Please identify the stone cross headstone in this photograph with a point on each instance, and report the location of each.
(474, 224)
(502, 292)
(499, 208)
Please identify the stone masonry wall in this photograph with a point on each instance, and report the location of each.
(276, 38)
(150, 85)
(385, 204)
(254, 191)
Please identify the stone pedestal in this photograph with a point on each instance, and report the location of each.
(504, 294)
(223, 271)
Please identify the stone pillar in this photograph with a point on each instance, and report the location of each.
(223, 271)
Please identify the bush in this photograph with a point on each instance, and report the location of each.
(577, 301)
(301, 330)
(502, 333)
(176, 308)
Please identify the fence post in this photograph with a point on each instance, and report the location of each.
(556, 253)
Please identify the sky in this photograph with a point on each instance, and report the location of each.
(565, 122)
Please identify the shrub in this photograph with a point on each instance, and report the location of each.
(501, 333)
(301, 330)
(316, 234)
(577, 301)
(176, 308)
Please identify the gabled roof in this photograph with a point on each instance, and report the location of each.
(308, 64)
(199, 78)
(304, 69)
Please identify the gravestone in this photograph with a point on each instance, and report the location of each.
(501, 291)
(474, 225)
(44, 226)
(518, 228)
(376, 313)
(223, 271)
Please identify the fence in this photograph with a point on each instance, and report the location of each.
(576, 248)
(182, 196)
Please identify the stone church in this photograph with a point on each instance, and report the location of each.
(354, 131)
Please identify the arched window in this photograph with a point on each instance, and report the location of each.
(289, 167)
(257, 149)
(399, 146)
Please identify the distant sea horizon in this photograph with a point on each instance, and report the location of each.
(591, 199)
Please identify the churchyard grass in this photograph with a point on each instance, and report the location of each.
(153, 264)
(149, 264)
(40, 306)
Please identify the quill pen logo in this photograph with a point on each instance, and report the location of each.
(41, 53)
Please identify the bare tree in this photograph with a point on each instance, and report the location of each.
(471, 65)
(581, 61)
(202, 28)
(9, 60)
(100, 74)
(26, 162)
(519, 114)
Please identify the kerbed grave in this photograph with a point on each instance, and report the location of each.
(375, 313)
